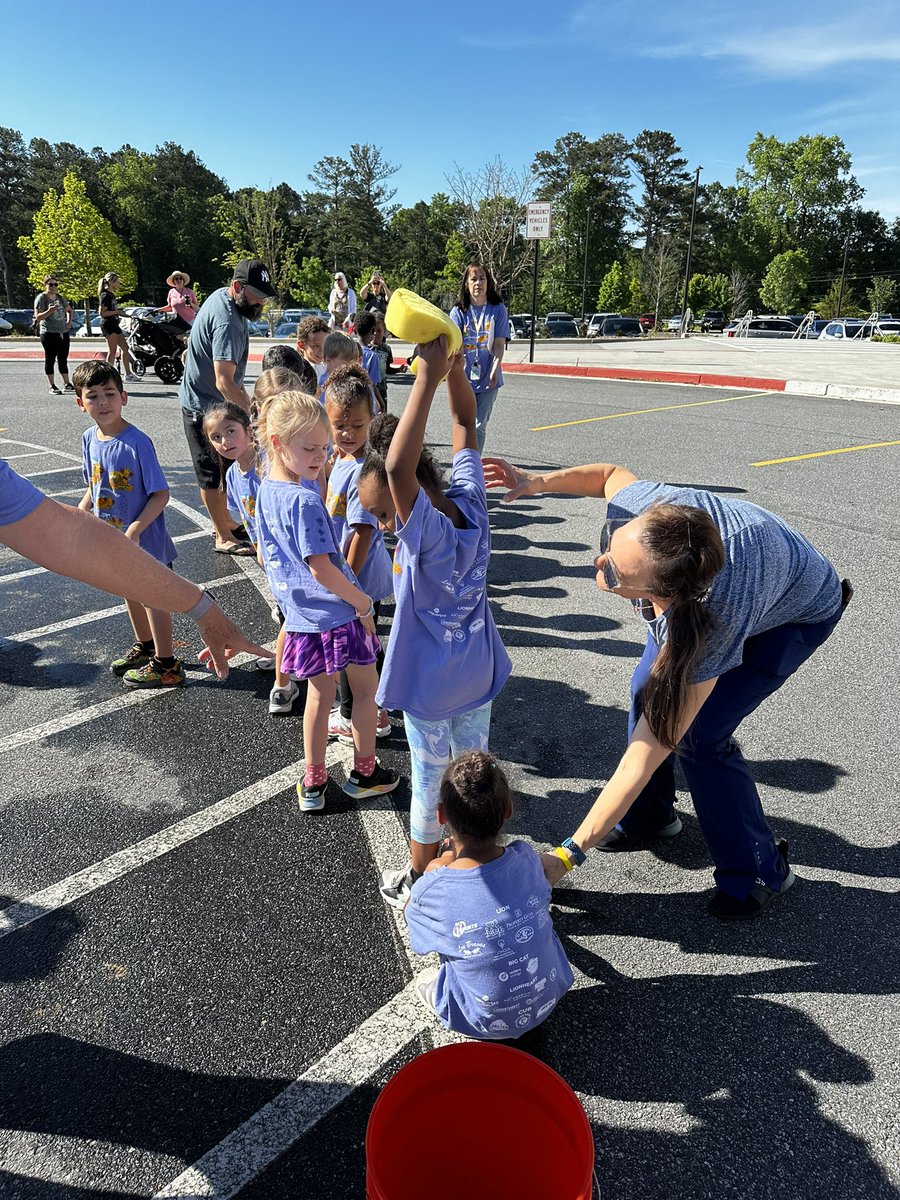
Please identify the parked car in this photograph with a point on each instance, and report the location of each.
(287, 329)
(769, 327)
(648, 321)
(597, 319)
(843, 330)
(258, 328)
(297, 314)
(560, 316)
(890, 327)
(621, 327)
(5, 326)
(673, 325)
(93, 331)
(23, 317)
(519, 325)
(815, 328)
(561, 329)
(713, 321)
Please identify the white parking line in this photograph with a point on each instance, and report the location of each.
(30, 454)
(228, 1167)
(51, 471)
(42, 449)
(102, 873)
(37, 733)
(99, 614)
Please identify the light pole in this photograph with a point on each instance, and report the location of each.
(587, 242)
(840, 299)
(687, 268)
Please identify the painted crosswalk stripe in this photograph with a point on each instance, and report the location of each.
(14, 575)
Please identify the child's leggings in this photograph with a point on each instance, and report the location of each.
(431, 746)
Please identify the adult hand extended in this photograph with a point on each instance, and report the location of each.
(500, 473)
(223, 641)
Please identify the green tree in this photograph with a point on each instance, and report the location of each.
(882, 295)
(588, 183)
(159, 203)
(14, 212)
(615, 290)
(828, 306)
(660, 168)
(798, 194)
(785, 282)
(311, 283)
(635, 305)
(251, 222)
(75, 241)
(455, 259)
(417, 240)
(357, 202)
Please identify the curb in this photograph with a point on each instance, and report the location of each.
(797, 387)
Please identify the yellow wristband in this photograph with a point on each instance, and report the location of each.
(563, 857)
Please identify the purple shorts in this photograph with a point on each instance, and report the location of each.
(308, 654)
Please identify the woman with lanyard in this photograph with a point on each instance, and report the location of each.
(181, 301)
(341, 302)
(53, 317)
(484, 322)
(109, 324)
(734, 601)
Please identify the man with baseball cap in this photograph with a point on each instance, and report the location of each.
(214, 371)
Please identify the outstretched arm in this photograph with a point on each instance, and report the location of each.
(602, 480)
(409, 436)
(463, 406)
(75, 543)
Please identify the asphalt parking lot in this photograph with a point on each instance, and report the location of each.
(202, 990)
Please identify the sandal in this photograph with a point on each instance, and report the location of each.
(242, 550)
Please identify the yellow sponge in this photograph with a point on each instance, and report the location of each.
(413, 319)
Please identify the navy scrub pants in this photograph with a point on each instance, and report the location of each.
(725, 797)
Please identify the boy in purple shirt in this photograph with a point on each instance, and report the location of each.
(127, 489)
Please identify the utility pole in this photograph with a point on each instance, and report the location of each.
(840, 299)
(687, 268)
(587, 242)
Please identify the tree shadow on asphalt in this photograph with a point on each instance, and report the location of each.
(34, 951)
(736, 1064)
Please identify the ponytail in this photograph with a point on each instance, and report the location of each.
(686, 550)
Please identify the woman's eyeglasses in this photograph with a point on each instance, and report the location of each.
(610, 574)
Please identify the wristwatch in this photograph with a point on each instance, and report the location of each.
(575, 852)
(202, 607)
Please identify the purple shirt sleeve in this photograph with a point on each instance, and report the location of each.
(18, 497)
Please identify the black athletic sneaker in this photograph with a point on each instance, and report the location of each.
(379, 783)
(743, 908)
(137, 656)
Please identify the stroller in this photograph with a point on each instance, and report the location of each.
(156, 344)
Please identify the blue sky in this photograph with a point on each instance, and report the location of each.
(261, 91)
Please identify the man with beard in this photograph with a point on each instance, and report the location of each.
(214, 371)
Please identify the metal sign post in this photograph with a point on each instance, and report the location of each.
(537, 227)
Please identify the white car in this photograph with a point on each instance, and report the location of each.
(597, 319)
(840, 331)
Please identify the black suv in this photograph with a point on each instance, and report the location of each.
(712, 321)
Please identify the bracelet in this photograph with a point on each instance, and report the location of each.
(370, 613)
(202, 607)
(574, 851)
(563, 857)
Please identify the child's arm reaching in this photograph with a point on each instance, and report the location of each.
(409, 436)
(152, 509)
(463, 407)
(325, 572)
(358, 548)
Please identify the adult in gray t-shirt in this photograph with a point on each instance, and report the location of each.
(214, 372)
(53, 317)
(734, 601)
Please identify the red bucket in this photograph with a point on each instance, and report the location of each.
(478, 1121)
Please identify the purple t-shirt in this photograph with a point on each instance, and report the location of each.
(480, 327)
(292, 525)
(123, 473)
(503, 969)
(444, 656)
(345, 510)
(18, 497)
(371, 363)
(241, 488)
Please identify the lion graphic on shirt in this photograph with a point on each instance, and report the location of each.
(120, 481)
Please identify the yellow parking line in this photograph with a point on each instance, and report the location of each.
(638, 412)
(771, 462)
